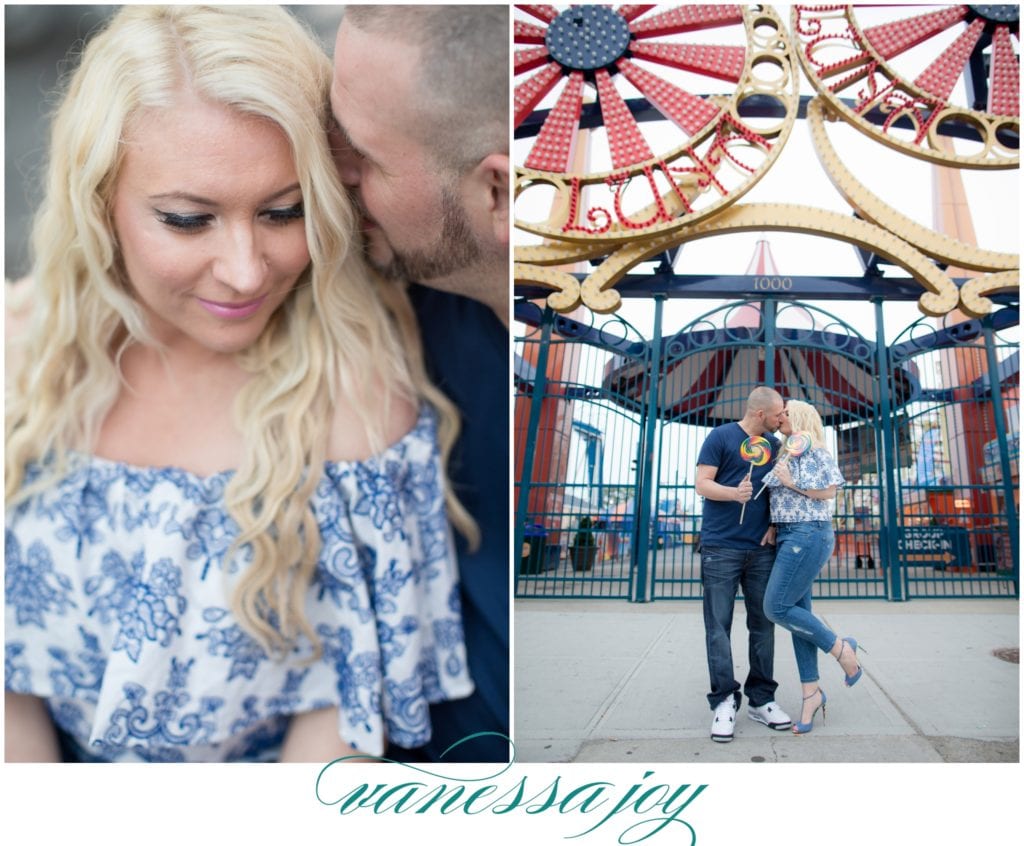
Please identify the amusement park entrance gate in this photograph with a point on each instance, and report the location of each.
(609, 423)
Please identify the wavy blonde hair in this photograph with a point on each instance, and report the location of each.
(804, 417)
(341, 333)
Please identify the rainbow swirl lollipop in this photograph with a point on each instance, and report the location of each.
(756, 450)
(797, 444)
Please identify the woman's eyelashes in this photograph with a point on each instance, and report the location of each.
(286, 215)
(196, 222)
(184, 222)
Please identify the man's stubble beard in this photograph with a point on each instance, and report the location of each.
(456, 250)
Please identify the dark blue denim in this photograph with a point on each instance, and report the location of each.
(722, 571)
(804, 548)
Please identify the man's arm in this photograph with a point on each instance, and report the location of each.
(708, 488)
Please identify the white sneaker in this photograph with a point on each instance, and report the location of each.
(724, 723)
(771, 715)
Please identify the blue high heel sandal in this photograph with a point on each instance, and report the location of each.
(852, 643)
(804, 728)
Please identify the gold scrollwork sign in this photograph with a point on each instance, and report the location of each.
(652, 202)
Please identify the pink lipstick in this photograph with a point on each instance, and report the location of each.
(231, 311)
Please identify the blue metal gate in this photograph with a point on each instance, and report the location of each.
(608, 426)
(708, 370)
(955, 492)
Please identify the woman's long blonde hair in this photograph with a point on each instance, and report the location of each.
(804, 417)
(341, 334)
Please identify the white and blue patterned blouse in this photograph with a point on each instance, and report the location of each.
(117, 611)
(815, 470)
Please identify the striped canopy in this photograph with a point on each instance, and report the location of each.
(706, 376)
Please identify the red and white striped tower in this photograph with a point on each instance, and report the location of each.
(762, 263)
(968, 423)
(551, 459)
(748, 315)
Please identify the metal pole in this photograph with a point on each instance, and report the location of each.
(769, 308)
(889, 530)
(536, 400)
(640, 588)
(1009, 503)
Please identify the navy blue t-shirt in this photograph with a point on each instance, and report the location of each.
(467, 357)
(721, 523)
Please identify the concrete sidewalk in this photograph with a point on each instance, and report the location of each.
(611, 681)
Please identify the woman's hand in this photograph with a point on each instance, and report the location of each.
(29, 734)
(786, 478)
(783, 475)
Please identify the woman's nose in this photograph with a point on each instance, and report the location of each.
(242, 265)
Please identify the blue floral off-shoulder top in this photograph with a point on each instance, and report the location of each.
(815, 470)
(118, 596)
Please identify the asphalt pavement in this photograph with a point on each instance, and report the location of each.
(611, 681)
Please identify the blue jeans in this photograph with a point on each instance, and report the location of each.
(804, 548)
(722, 571)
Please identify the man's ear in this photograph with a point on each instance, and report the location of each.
(490, 181)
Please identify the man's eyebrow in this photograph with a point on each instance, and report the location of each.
(359, 151)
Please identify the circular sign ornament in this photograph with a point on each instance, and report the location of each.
(717, 151)
(847, 62)
(586, 38)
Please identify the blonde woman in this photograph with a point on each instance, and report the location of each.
(803, 491)
(228, 521)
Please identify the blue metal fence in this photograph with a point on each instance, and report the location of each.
(609, 424)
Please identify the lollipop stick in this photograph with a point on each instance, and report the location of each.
(743, 510)
(764, 485)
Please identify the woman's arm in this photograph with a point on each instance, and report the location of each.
(823, 494)
(786, 479)
(29, 734)
(312, 737)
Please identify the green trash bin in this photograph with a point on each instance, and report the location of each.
(534, 540)
(583, 549)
